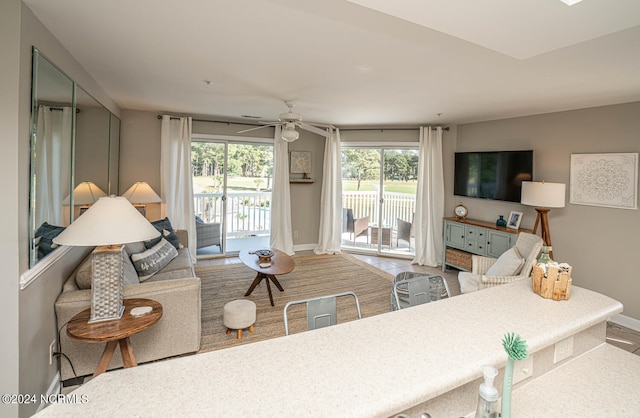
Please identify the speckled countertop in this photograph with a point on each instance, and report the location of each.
(377, 366)
(603, 382)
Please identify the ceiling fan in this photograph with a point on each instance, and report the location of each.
(289, 121)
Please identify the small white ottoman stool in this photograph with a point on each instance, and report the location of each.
(239, 314)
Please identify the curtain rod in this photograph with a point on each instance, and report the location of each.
(228, 122)
(446, 128)
(60, 109)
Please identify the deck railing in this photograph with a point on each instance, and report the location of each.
(249, 213)
(394, 206)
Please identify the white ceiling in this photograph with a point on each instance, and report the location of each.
(374, 63)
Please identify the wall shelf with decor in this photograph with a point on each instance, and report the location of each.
(464, 237)
(300, 180)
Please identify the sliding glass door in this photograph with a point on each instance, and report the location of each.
(232, 195)
(378, 199)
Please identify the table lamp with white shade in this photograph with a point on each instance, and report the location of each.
(108, 224)
(140, 194)
(85, 194)
(543, 196)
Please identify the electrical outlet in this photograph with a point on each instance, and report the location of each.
(563, 349)
(522, 369)
(52, 349)
(295, 234)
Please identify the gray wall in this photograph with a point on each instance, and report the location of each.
(9, 208)
(600, 243)
(29, 321)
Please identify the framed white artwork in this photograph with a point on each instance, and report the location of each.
(300, 162)
(608, 180)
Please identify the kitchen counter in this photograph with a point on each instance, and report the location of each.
(604, 382)
(409, 360)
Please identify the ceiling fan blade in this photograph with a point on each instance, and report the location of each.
(256, 128)
(314, 129)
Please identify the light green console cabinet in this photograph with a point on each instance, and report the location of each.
(464, 237)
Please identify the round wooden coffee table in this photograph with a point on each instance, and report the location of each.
(114, 332)
(281, 263)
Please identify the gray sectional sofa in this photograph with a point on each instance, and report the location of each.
(178, 331)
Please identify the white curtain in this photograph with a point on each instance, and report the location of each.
(281, 232)
(53, 159)
(429, 199)
(330, 234)
(176, 183)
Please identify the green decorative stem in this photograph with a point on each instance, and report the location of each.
(506, 389)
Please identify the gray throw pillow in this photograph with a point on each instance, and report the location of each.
(154, 259)
(84, 272)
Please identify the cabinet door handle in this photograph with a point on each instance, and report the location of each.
(461, 236)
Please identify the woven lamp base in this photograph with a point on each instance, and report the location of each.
(107, 283)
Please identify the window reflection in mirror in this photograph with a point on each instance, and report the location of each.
(52, 121)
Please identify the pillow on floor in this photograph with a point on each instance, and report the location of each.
(83, 274)
(166, 232)
(154, 259)
(508, 264)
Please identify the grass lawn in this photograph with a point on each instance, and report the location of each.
(389, 186)
(249, 184)
(246, 184)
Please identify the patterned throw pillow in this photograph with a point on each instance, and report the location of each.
(166, 232)
(44, 238)
(154, 259)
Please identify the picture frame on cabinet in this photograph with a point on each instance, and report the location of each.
(514, 220)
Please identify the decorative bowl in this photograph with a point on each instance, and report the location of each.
(264, 255)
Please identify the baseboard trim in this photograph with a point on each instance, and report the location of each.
(54, 389)
(304, 247)
(626, 321)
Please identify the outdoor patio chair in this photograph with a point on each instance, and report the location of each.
(404, 231)
(207, 234)
(356, 227)
(321, 310)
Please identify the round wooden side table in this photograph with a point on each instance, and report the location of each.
(114, 332)
(281, 263)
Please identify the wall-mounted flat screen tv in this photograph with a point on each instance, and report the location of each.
(492, 175)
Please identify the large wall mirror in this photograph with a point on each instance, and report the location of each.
(75, 144)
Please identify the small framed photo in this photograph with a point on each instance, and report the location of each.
(514, 220)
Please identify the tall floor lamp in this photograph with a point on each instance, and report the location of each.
(108, 224)
(543, 196)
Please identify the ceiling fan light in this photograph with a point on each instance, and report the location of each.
(290, 134)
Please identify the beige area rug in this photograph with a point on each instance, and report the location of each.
(312, 276)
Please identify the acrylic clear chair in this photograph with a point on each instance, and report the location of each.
(412, 288)
(321, 310)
